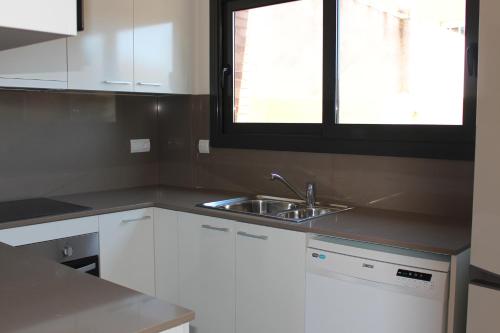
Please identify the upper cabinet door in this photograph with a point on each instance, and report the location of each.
(101, 57)
(163, 42)
(42, 65)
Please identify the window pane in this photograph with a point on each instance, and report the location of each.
(278, 60)
(401, 61)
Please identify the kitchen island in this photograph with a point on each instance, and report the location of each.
(41, 296)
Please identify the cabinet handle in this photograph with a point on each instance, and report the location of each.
(149, 84)
(209, 227)
(245, 234)
(126, 83)
(88, 268)
(145, 218)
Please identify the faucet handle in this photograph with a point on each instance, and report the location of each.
(311, 194)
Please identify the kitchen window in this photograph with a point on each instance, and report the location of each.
(380, 77)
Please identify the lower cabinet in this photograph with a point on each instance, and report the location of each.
(126, 242)
(270, 280)
(206, 272)
(236, 277)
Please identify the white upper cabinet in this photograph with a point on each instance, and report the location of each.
(101, 56)
(26, 22)
(42, 65)
(270, 280)
(163, 31)
(127, 253)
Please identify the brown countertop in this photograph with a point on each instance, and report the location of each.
(41, 296)
(409, 230)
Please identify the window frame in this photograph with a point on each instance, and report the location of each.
(426, 141)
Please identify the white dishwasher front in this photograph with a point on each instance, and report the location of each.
(347, 293)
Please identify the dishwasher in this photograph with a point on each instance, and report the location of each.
(356, 287)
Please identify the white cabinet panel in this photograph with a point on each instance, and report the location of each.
(42, 65)
(179, 329)
(270, 280)
(484, 304)
(54, 16)
(167, 255)
(207, 272)
(101, 57)
(49, 231)
(126, 243)
(486, 217)
(163, 41)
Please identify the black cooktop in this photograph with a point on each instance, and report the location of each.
(33, 208)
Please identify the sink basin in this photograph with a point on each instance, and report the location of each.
(307, 213)
(260, 206)
(289, 210)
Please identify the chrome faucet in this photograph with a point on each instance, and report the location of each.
(309, 198)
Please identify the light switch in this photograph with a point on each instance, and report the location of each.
(204, 146)
(140, 146)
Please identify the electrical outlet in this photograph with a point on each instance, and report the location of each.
(140, 146)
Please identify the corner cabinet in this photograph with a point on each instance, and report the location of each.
(127, 254)
(42, 65)
(270, 280)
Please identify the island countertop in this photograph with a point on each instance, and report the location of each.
(41, 296)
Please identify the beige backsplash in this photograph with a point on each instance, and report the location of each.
(439, 187)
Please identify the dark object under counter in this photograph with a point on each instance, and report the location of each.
(408, 230)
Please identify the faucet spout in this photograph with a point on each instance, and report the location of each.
(309, 198)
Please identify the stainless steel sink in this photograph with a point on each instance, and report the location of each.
(290, 210)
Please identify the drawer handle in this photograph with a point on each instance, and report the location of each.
(209, 227)
(149, 84)
(88, 268)
(145, 218)
(245, 234)
(125, 83)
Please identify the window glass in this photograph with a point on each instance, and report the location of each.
(401, 62)
(278, 63)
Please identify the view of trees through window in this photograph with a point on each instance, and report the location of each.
(399, 62)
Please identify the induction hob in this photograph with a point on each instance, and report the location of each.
(34, 208)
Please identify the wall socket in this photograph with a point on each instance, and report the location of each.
(204, 147)
(140, 146)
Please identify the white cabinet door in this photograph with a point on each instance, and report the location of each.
(126, 242)
(486, 222)
(101, 57)
(270, 280)
(484, 304)
(207, 272)
(167, 255)
(163, 46)
(42, 65)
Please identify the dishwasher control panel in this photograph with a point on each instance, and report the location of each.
(414, 275)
